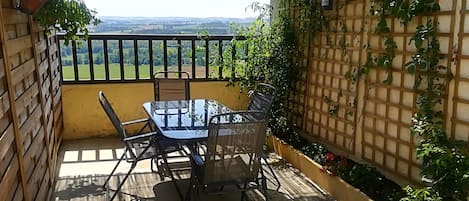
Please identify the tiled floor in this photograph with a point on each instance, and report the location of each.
(85, 164)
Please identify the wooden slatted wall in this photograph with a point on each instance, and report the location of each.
(30, 121)
(369, 120)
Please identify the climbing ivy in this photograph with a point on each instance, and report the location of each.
(445, 167)
(272, 53)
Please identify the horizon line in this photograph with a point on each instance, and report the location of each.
(174, 17)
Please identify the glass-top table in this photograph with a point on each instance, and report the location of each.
(184, 119)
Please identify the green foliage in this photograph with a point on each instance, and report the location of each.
(271, 57)
(445, 170)
(428, 54)
(70, 16)
(404, 10)
(333, 107)
(422, 194)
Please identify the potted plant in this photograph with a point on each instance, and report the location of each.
(69, 16)
(30, 6)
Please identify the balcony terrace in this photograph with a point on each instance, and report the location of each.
(84, 164)
(365, 82)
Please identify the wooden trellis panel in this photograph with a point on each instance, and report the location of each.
(331, 98)
(370, 120)
(296, 99)
(30, 109)
(388, 108)
(460, 117)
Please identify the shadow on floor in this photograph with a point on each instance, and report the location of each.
(83, 165)
(166, 191)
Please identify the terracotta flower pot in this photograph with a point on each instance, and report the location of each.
(31, 6)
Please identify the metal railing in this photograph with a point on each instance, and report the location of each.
(106, 58)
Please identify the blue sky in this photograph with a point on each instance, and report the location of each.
(173, 8)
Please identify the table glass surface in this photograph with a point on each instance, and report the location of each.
(184, 119)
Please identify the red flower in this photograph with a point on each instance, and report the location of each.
(329, 157)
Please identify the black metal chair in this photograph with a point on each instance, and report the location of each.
(261, 99)
(233, 153)
(170, 85)
(137, 147)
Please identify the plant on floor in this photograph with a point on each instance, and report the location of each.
(69, 16)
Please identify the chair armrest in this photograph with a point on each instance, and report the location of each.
(140, 137)
(135, 121)
(197, 159)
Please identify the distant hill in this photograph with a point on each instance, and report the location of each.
(168, 25)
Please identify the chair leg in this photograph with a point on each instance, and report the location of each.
(272, 172)
(123, 181)
(243, 192)
(160, 170)
(189, 189)
(113, 170)
(264, 185)
(165, 160)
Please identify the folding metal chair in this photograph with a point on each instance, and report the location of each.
(138, 147)
(233, 153)
(261, 99)
(168, 86)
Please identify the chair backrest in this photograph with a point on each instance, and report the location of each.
(111, 114)
(234, 147)
(169, 85)
(261, 98)
(114, 120)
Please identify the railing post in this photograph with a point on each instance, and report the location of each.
(233, 57)
(75, 62)
(90, 59)
(137, 73)
(193, 59)
(150, 56)
(165, 57)
(121, 60)
(106, 60)
(179, 58)
(207, 57)
(220, 55)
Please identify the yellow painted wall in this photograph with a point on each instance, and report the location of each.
(84, 117)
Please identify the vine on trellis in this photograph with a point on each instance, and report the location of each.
(445, 168)
(272, 54)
